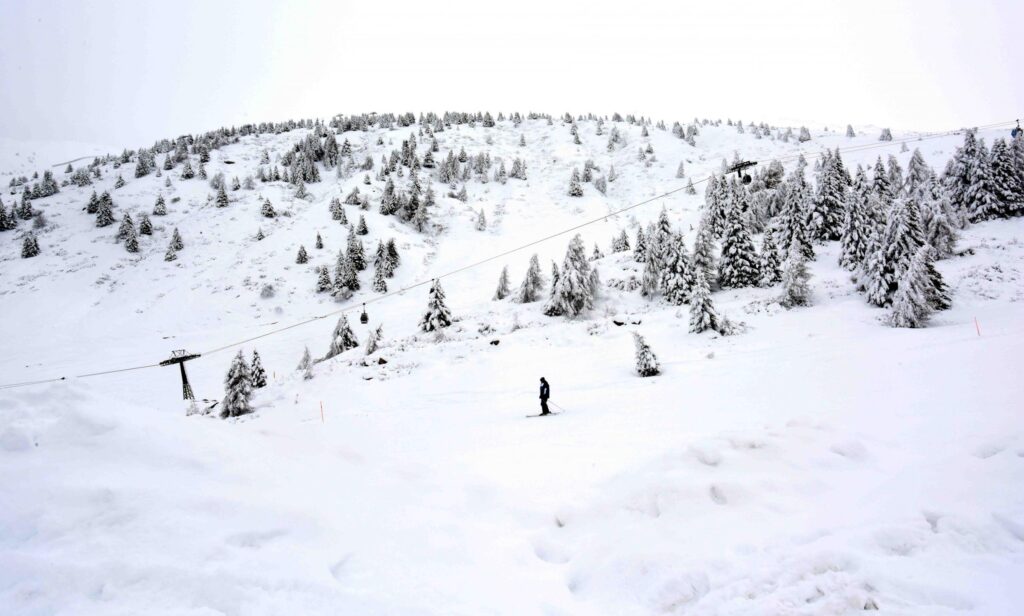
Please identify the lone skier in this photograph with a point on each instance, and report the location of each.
(545, 393)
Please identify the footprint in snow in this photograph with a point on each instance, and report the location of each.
(256, 539)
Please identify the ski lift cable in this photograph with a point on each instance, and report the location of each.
(494, 257)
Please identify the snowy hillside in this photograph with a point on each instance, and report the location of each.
(818, 461)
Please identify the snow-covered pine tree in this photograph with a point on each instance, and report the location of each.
(575, 190)
(1006, 183)
(794, 218)
(319, 241)
(918, 173)
(186, 170)
(373, 341)
(346, 279)
(131, 240)
(29, 246)
(738, 266)
(126, 225)
(621, 243)
(259, 375)
(159, 209)
(910, 305)
(857, 223)
(771, 268)
(342, 339)
(171, 254)
(481, 220)
(237, 389)
(267, 210)
(302, 257)
(323, 281)
(702, 312)
(145, 225)
(826, 214)
(533, 282)
(380, 284)
(438, 316)
(849, 131)
(503, 289)
(680, 171)
(676, 277)
(597, 254)
(104, 213)
(704, 250)
(356, 255)
(576, 285)
(936, 212)
(646, 362)
(222, 196)
(361, 228)
(306, 365)
(796, 290)
(651, 277)
(640, 247)
(886, 135)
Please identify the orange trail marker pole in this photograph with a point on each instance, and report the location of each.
(321, 411)
(976, 326)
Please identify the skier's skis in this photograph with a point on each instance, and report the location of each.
(542, 415)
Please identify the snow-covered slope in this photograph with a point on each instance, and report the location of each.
(818, 463)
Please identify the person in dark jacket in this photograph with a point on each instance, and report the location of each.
(545, 393)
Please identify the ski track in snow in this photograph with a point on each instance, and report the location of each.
(818, 463)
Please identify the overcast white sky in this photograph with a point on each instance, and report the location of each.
(130, 72)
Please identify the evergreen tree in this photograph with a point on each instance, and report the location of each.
(826, 215)
(302, 257)
(380, 284)
(160, 209)
(918, 173)
(680, 171)
(306, 365)
(267, 210)
(237, 389)
(676, 277)
(533, 282)
(771, 269)
(171, 254)
(29, 246)
(577, 283)
(319, 242)
(145, 225)
(739, 266)
(131, 240)
(575, 190)
(704, 250)
(373, 341)
(646, 362)
(910, 306)
(259, 234)
(503, 289)
(857, 223)
(356, 255)
(176, 242)
(127, 226)
(702, 312)
(621, 243)
(186, 171)
(1005, 182)
(437, 316)
(323, 282)
(104, 215)
(361, 228)
(342, 339)
(640, 247)
(651, 277)
(795, 278)
(259, 375)
(794, 219)
(346, 277)
(481, 221)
